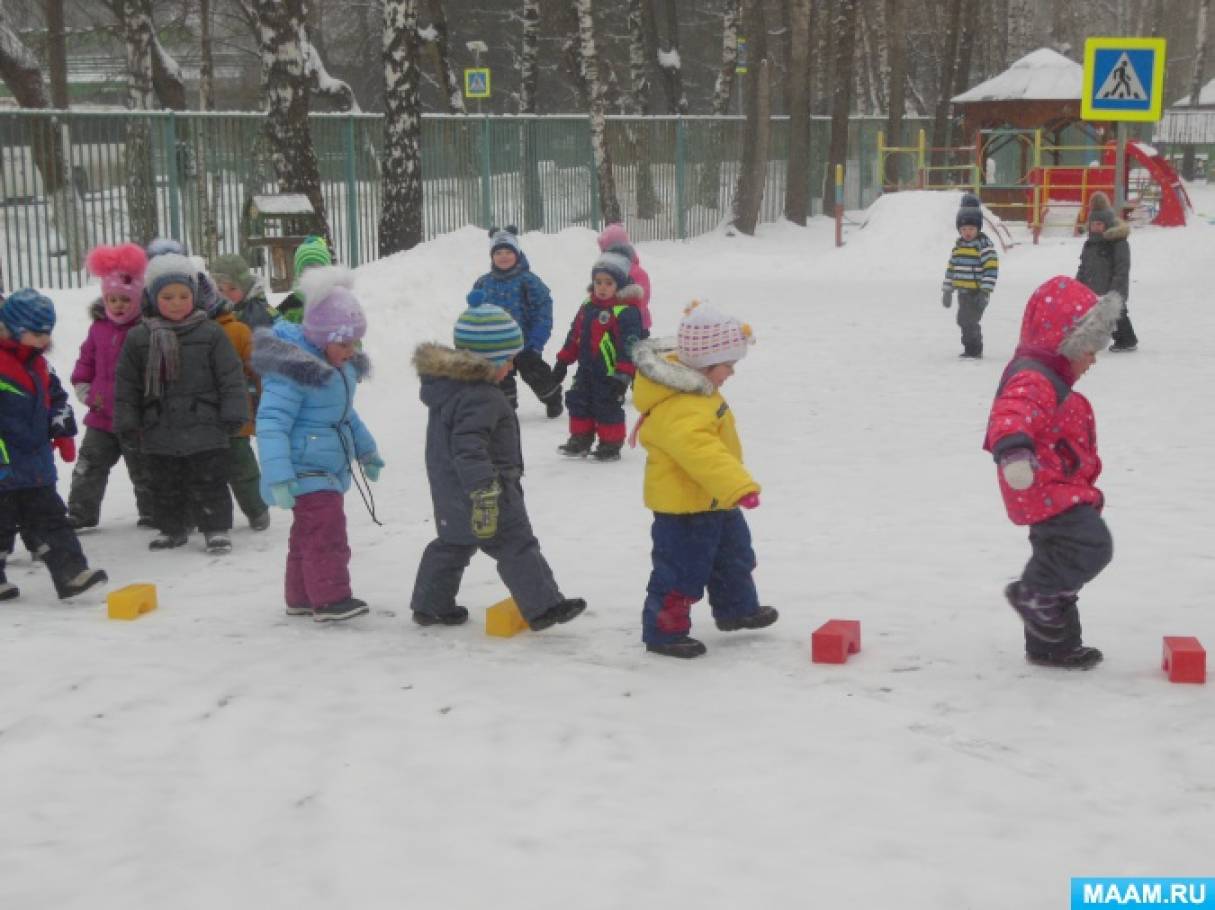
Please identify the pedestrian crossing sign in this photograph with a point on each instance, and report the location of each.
(476, 82)
(1123, 79)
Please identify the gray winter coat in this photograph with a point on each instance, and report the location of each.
(1105, 261)
(472, 439)
(198, 411)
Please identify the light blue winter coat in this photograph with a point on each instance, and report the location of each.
(307, 429)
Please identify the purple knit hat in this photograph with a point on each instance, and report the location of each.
(332, 314)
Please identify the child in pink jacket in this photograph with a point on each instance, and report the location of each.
(120, 269)
(614, 238)
(1043, 435)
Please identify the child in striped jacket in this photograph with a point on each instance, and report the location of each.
(973, 268)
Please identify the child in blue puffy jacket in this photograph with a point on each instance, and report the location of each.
(309, 438)
(512, 285)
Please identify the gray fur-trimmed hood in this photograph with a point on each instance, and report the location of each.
(1093, 330)
(283, 351)
(1119, 230)
(653, 361)
(441, 362)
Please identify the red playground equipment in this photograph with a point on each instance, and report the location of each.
(1150, 181)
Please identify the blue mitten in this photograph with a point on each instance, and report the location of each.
(372, 465)
(284, 496)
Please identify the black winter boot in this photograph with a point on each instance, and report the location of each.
(343, 609)
(562, 612)
(218, 542)
(1081, 657)
(760, 619)
(1042, 614)
(8, 590)
(456, 616)
(553, 407)
(165, 541)
(1069, 654)
(607, 451)
(81, 582)
(578, 445)
(685, 647)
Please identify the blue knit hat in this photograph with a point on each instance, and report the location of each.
(27, 311)
(506, 238)
(487, 331)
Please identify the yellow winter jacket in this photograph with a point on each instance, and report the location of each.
(693, 455)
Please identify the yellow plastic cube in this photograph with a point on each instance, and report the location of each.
(503, 619)
(131, 602)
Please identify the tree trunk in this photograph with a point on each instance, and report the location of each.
(589, 64)
(1001, 56)
(1200, 60)
(141, 180)
(709, 183)
(639, 137)
(167, 82)
(20, 71)
(961, 72)
(753, 169)
(843, 28)
(206, 67)
(797, 180)
(949, 60)
(529, 71)
(669, 62)
(448, 79)
(896, 38)
(209, 180)
(56, 53)
(285, 87)
(401, 217)
(1021, 29)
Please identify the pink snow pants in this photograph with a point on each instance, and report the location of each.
(318, 557)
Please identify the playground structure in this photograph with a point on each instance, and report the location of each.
(1046, 181)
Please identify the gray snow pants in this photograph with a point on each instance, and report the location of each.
(99, 453)
(971, 305)
(1069, 551)
(521, 566)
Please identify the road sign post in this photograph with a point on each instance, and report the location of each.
(1123, 80)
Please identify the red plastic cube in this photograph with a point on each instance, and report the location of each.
(834, 640)
(1185, 660)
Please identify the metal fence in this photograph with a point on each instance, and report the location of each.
(675, 177)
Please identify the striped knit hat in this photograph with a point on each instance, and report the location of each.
(708, 337)
(314, 251)
(487, 331)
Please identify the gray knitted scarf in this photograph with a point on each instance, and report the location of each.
(164, 350)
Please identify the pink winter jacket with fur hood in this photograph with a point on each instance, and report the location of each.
(97, 366)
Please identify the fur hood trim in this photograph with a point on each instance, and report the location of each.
(97, 310)
(440, 361)
(653, 361)
(630, 293)
(297, 361)
(1094, 329)
(1119, 230)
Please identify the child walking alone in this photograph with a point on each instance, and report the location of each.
(475, 466)
(180, 394)
(33, 419)
(601, 342)
(696, 484)
(974, 266)
(310, 437)
(121, 270)
(1043, 436)
(1105, 265)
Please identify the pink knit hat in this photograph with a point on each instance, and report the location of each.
(121, 270)
(708, 337)
(613, 235)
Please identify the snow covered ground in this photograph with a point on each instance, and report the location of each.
(219, 754)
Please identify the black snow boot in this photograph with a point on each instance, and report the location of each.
(578, 445)
(218, 542)
(562, 612)
(456, 616)
(553, 407)
(81, 582)
(1081, 657)
(1071, 653)
(164, 541)
(1042, 614)
(607, 451)
(8, 590)
(760, 619)
(685, 647)
(343, 609)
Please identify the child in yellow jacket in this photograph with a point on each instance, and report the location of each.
(696, 484)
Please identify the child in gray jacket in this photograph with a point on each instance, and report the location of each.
(475, 465)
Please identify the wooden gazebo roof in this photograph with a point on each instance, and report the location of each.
(1039, 91)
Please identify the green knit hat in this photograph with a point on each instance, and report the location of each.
(311, 253)
(233, 268)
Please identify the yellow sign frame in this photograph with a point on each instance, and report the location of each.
(1158, 46)
(469, 73)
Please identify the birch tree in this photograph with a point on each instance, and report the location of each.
(401, 216)
(949, 59)
(209, 182)
(1200, 60)
(843, 27)
(529, 71)
(639, 136)
(588, 58)
(753, 170)
(669, 61)
(285, 88)
(448, 80)
(141, 181)
(56, 53)
(896, 49)
(709, 183)
(797, 182)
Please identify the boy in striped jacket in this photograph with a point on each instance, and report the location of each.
(973, 268)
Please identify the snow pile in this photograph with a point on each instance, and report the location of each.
(1044, 75)
(218, 753)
